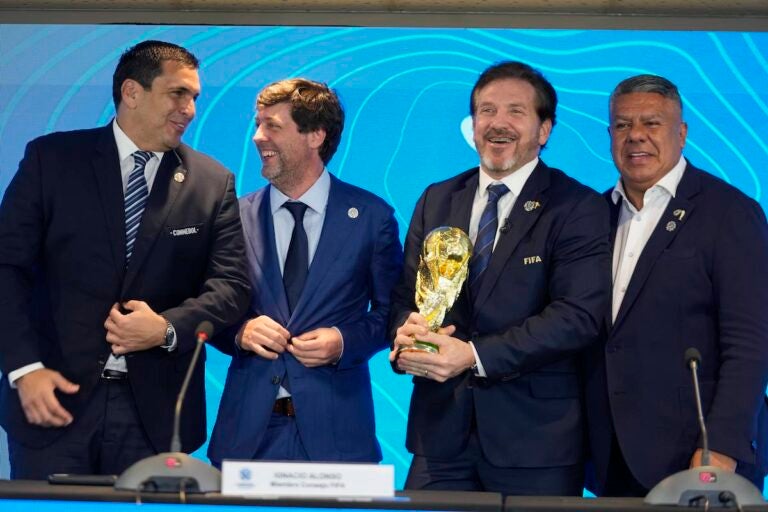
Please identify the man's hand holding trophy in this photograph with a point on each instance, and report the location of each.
(423, 347)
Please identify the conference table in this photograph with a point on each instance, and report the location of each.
(38, 496)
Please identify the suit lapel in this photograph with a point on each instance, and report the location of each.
(670, 224)
(106, 169)
(260, 235)
(461, 204)
(524, 214)
(338, 228)
(614, 209)
(161, 200)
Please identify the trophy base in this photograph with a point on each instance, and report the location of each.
(421, 346)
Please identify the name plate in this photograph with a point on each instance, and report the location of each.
(307, 479)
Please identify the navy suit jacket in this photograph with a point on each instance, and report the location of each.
(356, 264)
(62, 267)
(531, 318)
(702, 282)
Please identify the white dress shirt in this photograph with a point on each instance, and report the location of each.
(636, 226)
(316, 198)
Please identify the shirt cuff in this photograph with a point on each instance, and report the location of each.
(342, 344)
(20, 372)
(479, 371)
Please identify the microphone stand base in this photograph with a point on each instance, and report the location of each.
(706, 486)
(170, 472)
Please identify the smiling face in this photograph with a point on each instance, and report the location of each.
(647, 139)
(507, 130)
(156, 118)
(288, 158)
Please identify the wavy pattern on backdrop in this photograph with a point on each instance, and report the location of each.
(406, 95)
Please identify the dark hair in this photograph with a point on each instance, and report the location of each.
(648, 83)
(546, 97)
(314, 106)
(144, 63)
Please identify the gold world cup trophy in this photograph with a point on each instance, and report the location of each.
(443, 267)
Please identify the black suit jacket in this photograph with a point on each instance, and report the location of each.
(62, 266)
(540, 303)
(702, 282)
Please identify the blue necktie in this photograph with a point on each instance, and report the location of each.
(486, 234)
(135, 200)
(297, 260)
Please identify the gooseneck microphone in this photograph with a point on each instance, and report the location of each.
(175, 471)
(692, 361)
(203, 332)
(704, 486)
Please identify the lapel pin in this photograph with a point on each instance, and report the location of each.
(531, 205)
(679, 214)
(671, 226)
(178, 177)
(352, 213)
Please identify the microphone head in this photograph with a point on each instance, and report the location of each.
(204, 330)
(692, 354)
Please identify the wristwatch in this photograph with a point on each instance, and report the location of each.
(170, 335)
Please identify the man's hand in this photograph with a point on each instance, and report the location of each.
(140, 329)
(36, 392)
(264, 337)
(318, 347)
(415, 328)
(719, 460)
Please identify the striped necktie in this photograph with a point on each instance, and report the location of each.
(135, 199)
(486, 235)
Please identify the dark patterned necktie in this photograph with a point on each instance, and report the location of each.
(486, 234)
(297, 259)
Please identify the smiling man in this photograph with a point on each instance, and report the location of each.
(689, 258)
(499, 407)
(115, 243)
(323, 258)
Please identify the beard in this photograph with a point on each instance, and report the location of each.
(503, 169)
(281, 174)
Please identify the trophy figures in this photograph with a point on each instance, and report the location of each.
(443, 267)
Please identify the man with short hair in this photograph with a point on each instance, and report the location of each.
(689, 254)
(115, 243)
(323, 257)
(499, 407)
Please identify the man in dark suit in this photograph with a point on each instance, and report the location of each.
(115, 243)
(323, 258)
(689, 255)
(499, 407)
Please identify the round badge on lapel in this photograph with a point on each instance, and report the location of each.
(178, 177)
(529, 206)
(352, 213)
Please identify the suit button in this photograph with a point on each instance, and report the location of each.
(275, 380)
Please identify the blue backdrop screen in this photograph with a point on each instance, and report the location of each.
(406, 94)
